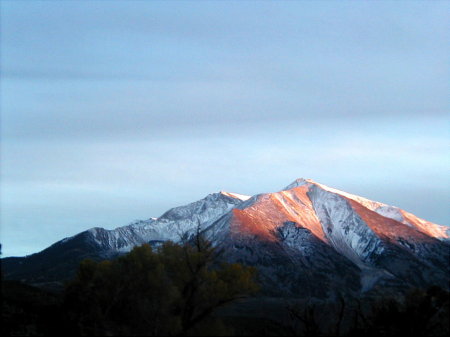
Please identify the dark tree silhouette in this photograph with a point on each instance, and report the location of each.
(168, 291)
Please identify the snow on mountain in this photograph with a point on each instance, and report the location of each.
(437, 231)
(173, 225)
(236, 195)
(344, 228)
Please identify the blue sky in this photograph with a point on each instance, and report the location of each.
(115, 111)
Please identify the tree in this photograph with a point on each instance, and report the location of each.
(419, 313)
(168, 291)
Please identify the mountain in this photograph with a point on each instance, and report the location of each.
(308, 240)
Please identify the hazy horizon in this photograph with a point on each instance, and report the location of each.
(116, 111)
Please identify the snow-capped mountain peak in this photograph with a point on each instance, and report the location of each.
(303, 239)
(297, 183)
(392, 212)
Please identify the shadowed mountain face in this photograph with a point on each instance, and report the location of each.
(307, 240)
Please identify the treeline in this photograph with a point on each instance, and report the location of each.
(172, 290)
(418, 313)
(179, 289)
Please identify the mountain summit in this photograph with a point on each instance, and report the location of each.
(307, 240)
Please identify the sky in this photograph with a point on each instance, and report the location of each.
(116, 111)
